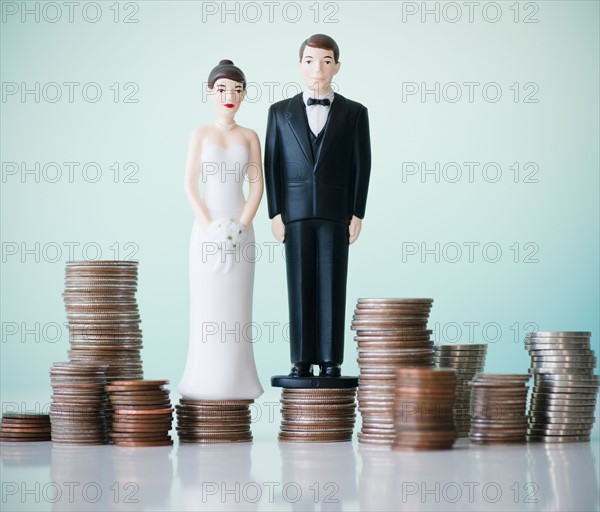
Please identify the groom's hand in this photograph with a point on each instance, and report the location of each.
(354, 229)
(278, 228)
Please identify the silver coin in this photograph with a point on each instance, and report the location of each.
(566, 406)
(562, 402)
(559, 334)
(561, 346)
(564, 364)
(559, 439)
(560, 351)
(462, 346)
(562, 387)
(396, 351)
(561, 371)
(460, 353)
(567, 379)
(537, 422)
(393, 300)
(540, 351)
(586, 394)
(558, 432)
(561, 405)
(460, 357)
(564, 359)
(564, 420)
(564, 393)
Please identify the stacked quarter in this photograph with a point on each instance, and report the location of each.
(103, 316)
(563, 402)
(317, 415)
(78, 404)
(390, 334)
(423, 409)
(213, 421)
(142, 412)
(467, 360)
(498, 403)
(25, 427)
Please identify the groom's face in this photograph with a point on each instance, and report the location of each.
(318, 68)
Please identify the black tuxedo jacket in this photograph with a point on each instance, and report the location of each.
(331, 185)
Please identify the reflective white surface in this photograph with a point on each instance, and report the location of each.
(267, 475)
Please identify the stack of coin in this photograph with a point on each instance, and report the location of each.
(423, 409)
(563, 402)
(78, 403)
(103, 316)
(25, 427)
(324, 415)
(390, 334)
(498, 403)
(213, 421)
(467, 360)
(142, 413)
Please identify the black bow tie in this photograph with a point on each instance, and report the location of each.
(315, 101)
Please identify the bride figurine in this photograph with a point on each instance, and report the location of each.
(220, 363)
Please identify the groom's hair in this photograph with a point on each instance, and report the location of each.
(321, 41)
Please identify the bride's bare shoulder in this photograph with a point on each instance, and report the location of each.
(200, 132)
(249, 134)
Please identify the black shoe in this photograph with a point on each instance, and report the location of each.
(301, 370)
(331, 370)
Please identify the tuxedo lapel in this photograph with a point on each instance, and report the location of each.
(335, 123)
(296, 115)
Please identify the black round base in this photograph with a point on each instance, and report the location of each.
(285, 381)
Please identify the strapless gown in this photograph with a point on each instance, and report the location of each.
(220, 362)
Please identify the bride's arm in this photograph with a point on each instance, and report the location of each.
(255, 179)
(193, 168)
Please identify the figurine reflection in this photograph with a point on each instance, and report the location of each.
(223, 156)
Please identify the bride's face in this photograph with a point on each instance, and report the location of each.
(227, 95)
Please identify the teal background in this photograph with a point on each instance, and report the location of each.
(168, 54)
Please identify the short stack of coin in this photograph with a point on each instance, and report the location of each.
(498, 403)
(424, 409)
(103, 316)
(142, 413)
(213, 421)
(390, 334)
(467, 360)
(563, 402)
(25, 427)
(324, 415)
(78, 403)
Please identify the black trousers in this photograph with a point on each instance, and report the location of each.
(317, 268)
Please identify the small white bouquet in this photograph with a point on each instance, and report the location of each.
(228, 235)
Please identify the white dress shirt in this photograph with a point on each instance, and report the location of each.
(317, 114)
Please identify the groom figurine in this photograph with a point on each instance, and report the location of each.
(317, 167)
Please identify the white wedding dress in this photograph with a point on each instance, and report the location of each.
(220, 363)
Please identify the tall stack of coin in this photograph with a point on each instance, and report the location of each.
(324, 415)
(563, 402)
(78, 404)
(390, 334)
(467, 360)
(20, 427)
(213, 421)
(498, 403)
(142, 413)
(423, 409)
(103, 316)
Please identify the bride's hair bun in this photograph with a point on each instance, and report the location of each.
(226, 69)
